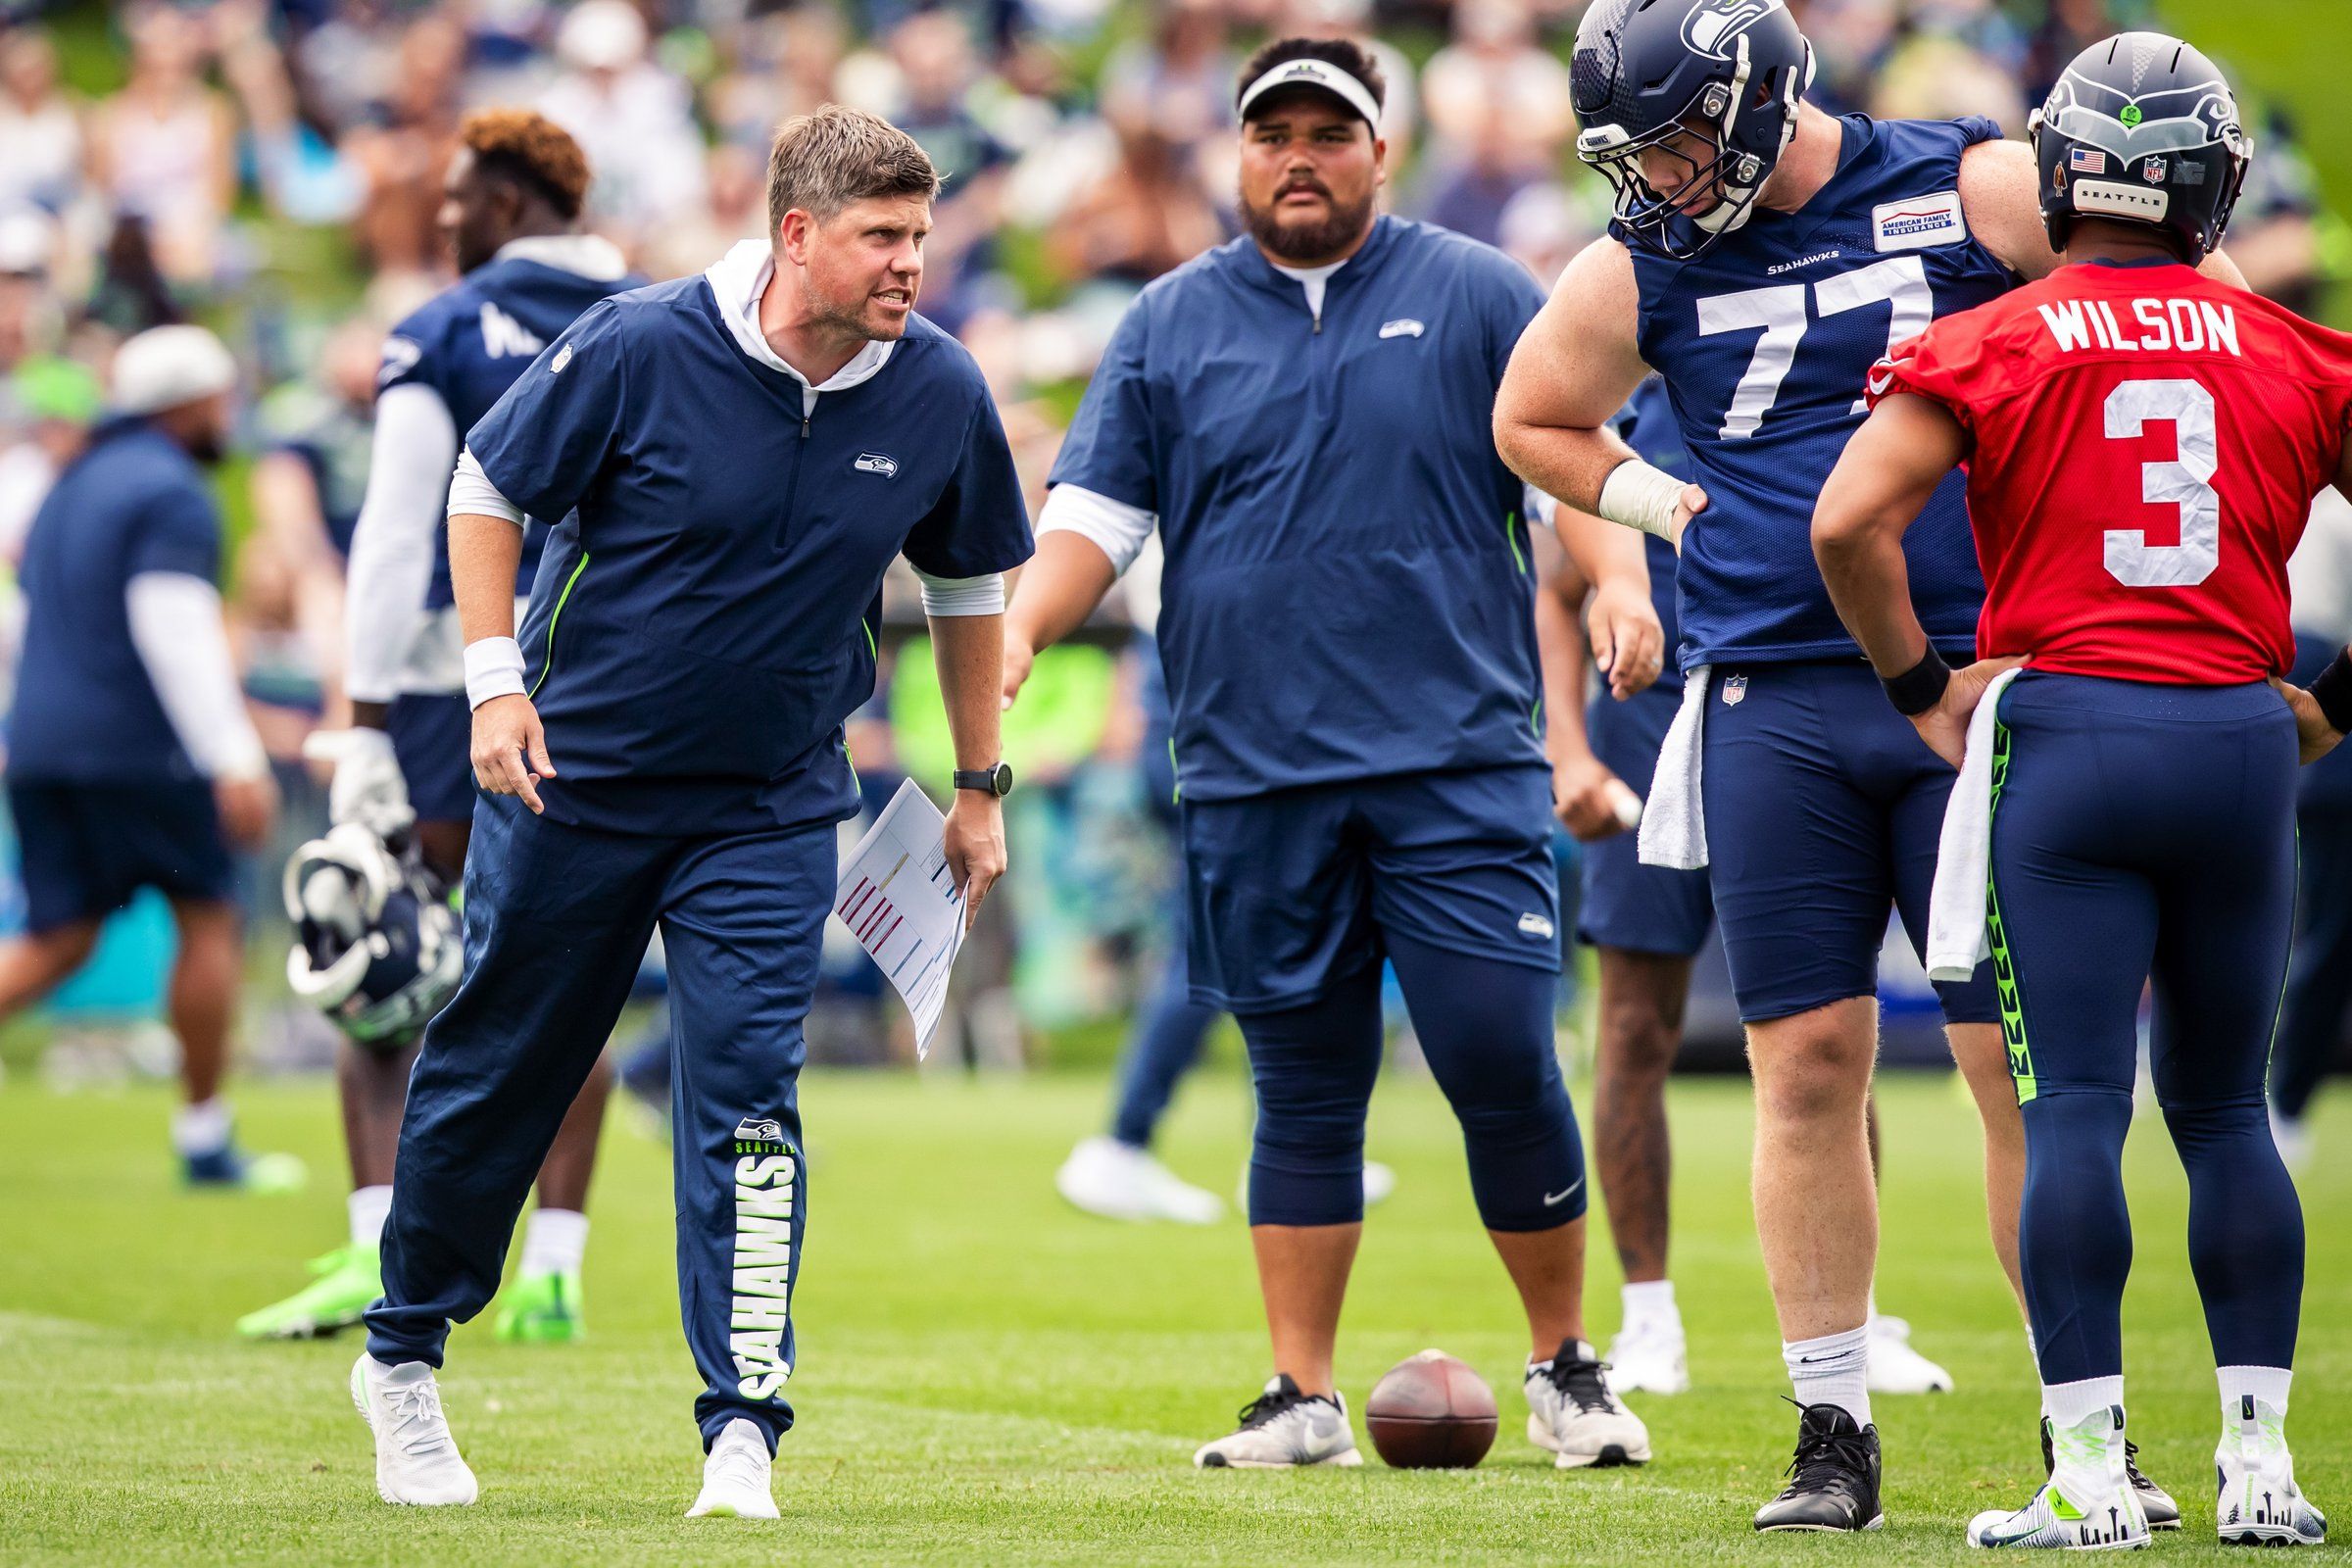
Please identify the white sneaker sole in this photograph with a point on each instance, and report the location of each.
(730, 1510)
(2266, 1535)
(359, 1403)
(1610, 1457)
(1877, 1523)
(1347, 1459)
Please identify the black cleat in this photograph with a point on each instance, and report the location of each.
(2162, 1511)
(1833, 1479)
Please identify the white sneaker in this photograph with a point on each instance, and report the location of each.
(2087, 1505)
(1571, 1411)
(1119, 1181)
(417, 1460)
(1895, 1367)
(735, 1476)
(2260, 1505)
(1283, 1427)
(1648, 1356)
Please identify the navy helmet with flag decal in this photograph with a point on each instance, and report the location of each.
(2143, 128)
(1723, 77)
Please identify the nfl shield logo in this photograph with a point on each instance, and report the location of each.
(2152, 170)
(1735, 691)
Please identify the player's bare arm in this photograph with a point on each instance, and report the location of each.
(1628, 645)
(2000, 196)
(1574, 367)
(1874, 495)
(510, 749)
(1581, 796)
(969, 652)
(1052, 597)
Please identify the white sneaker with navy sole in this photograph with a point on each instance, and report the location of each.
(2260, 1505)
(1572, 1413)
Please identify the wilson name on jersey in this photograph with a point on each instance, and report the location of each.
(2146, 446)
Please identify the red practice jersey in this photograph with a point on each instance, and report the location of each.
(2146, 444)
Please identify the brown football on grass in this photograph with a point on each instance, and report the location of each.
(1431, 1412)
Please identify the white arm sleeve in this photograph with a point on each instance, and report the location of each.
(176, 626)
(471, 492)
(392, 544)
(1119, 528)
(983, 595)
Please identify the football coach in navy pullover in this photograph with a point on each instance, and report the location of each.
(1346, 621)
(736, 457)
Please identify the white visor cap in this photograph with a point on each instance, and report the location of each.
(165, 367)
(1320, 74)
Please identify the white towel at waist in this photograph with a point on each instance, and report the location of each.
(1957, 938)
(1673, 827)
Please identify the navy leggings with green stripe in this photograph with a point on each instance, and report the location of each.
(2141, 833)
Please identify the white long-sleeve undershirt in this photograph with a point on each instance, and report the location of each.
(392, 544)
(176, 626)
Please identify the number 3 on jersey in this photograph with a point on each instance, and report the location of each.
(1899, 280)
(2183, 483)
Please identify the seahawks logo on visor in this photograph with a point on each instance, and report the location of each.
(1712, 29)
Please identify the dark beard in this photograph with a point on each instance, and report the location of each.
(1314, 243)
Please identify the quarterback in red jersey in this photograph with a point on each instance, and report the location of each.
(2142, 447)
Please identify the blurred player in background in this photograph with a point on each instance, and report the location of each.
(1303, 413)
(2142, 445)
(131, 761)
(510, 211)
(1763, 256)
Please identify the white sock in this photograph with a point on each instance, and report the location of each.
(2070, 1405)
(1834, 1370)
(2267, 1384)
(369, 1207)
(202, 1128)
(1650, 1304)
(553, 1241)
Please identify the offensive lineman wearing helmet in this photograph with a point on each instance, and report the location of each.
(1764, 255)
(2143, 446)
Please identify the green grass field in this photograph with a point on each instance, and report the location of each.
(990, 1377)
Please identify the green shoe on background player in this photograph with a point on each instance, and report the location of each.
(543, 1309)
(347, 1284)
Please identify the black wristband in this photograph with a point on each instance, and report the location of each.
(1920, 687)
(2333, 691)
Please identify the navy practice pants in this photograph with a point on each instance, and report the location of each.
(557, 918)
(2146, 832)
(2318, 981)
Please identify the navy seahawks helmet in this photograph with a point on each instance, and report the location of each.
(376, 947)
(2143, 128)
(1729, 71)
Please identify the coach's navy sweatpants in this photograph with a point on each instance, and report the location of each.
(2146, 832)
(557, 918)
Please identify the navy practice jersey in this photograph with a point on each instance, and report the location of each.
(1346, 593)
(132, 501)
(1765, 341)
(1646, 423)
(705, 618)
(469, 342)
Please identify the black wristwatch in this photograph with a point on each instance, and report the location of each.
(996, 780)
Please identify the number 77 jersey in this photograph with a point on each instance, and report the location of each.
(2145, 447)
(1765, 340)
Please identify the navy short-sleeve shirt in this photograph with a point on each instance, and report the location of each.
(133, 502)
(704, 619)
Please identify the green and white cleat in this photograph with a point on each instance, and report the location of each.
(543, 1309)
(2260, 1505)
(2087, 1505)
(349, 1282)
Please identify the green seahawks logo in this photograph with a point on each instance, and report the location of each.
(2130, 115)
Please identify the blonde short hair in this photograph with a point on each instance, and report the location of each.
(824, 162)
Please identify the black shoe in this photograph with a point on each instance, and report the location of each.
(2162, 1511)
(1833, 1479)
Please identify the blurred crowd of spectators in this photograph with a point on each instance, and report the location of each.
(273, 167)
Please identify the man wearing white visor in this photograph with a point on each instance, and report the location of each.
(1305, 414)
